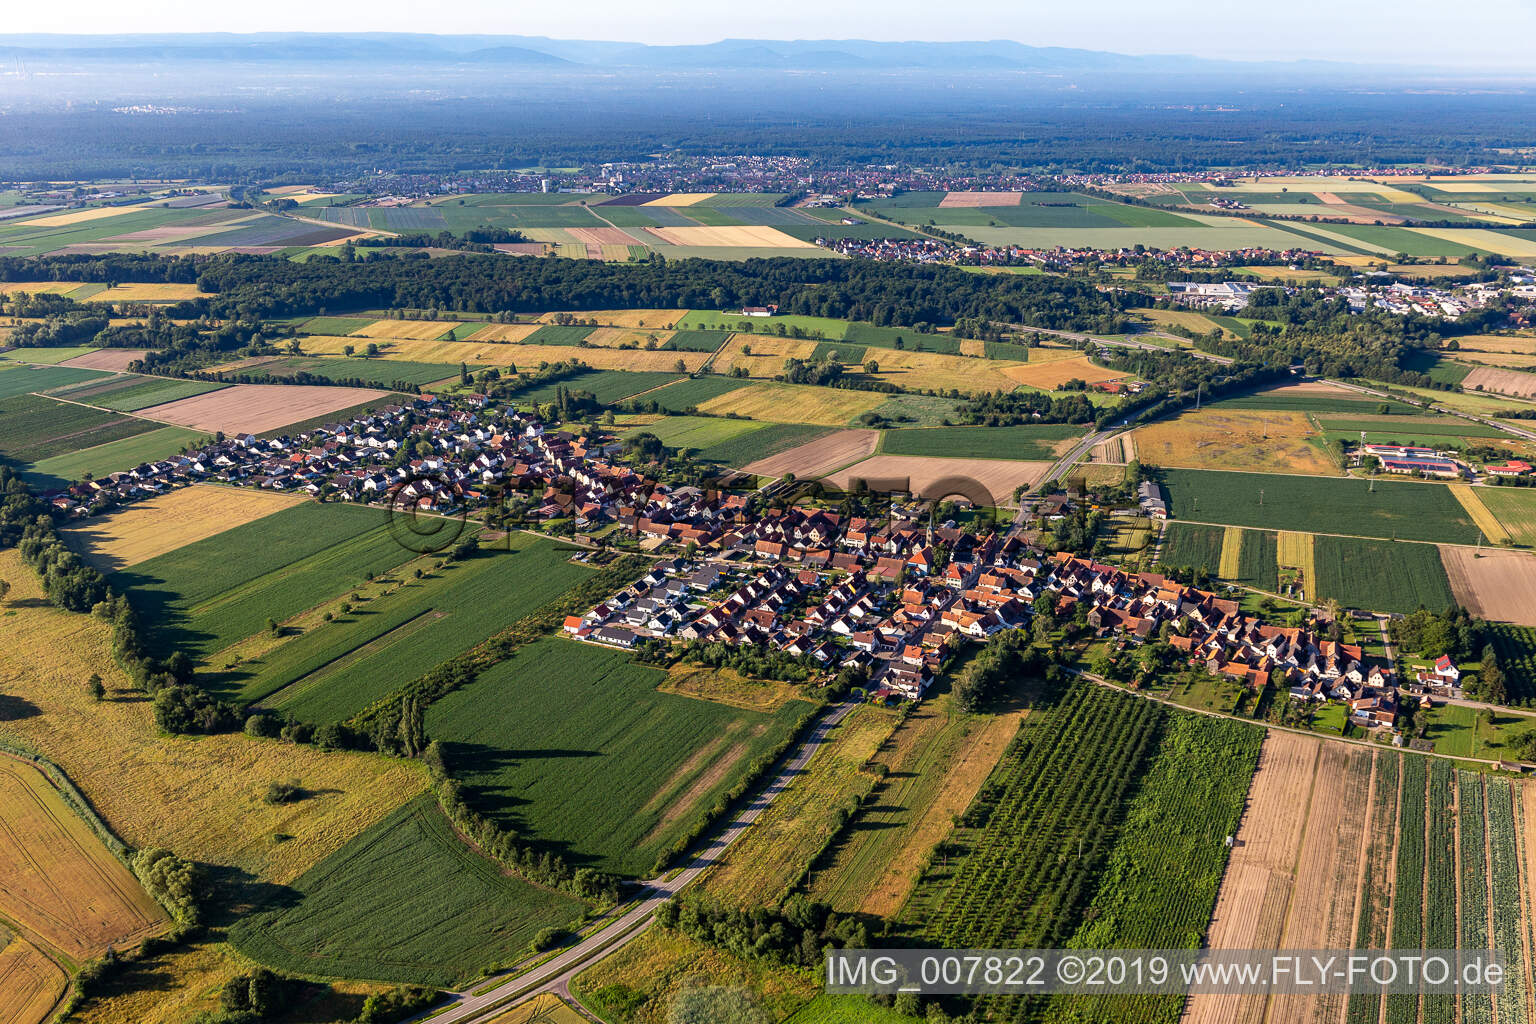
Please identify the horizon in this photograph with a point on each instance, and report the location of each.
(1354, 36)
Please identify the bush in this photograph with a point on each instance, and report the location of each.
(396, 1004)
(176, 883)
(548, 938)
(284, 792)
(263, 725)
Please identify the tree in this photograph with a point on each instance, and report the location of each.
(97, 689)
(347, 350)
(871, 367)
(5, 588)
(680, 366)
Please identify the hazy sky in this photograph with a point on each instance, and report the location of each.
(1498, 34)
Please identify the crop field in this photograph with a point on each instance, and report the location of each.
(407, 901)
(1379, 575)
(200, 796)
(761, 868)
(1193, 545)
(762, 356)
(198, 599)
(631, 318)
(383, 372)
(1496, 585)
(334, 671)
(1118, 780)
(1316, 397)
(50, 356)
(772, 439)
(982, 481)
(33, 428)
(553, 335)
(1503, 382)
(911, 369)
(258, 408)
(936, 763)
(109, 458)
(1051, 375)
(607, 386)
(1241, 439)
(690, 393)
(573, 744)
(821, 455)
(641, 360)
(1387, 509)
(794, 403)
(134, 291)
(102, 905)
(1515, 510)
(143, 392)
(31, 985)
(145, 529)
(1256, 558)
(19, 380)
(1020, 442)
(692, 433)
(1516, 649)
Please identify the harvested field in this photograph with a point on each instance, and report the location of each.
(1493, 530)
(1256, 891)
(679, 199)
(31, 985)
(1491, 584)
(1188, 319)
(761, 355)
(61, 220)
(912, 370)
(408, 330)
(966, 200)
(147, 292)
(790, 403)
(748, 235)
(604, 236)
(620, 337)
(503, 332)
(166, 522)
(1238, 439)
(402, 350)
(200, 796)
(1297, 551)
(258, 408)
(822, 455)
(631, 318)
(659, 361)
(1503, 382)
(545, 1009)
(1051, 375)
(57, 880)
(1230, 566)
(942, 478)
(106, 359)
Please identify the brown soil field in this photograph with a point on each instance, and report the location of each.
(924, 474)
(106, 359)
(31, 985)
(604, 236)
(1493, 584)
(1503, 382)
(144, 529)
(199, 796)
(1051, 375)
(1252, 907)
(910, 369)
(1250, 440)
(762, 355)
(409, 330)
(258, 408)
(819, 456)
(964, 200)
(503, 332)
(57, 880)
(791, 403)
(1322, 907)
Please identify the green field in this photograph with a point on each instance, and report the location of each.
(335, 326)
(695, 432)
(1515, 509)
(1422, 425)
(1361, 406)
(18, 380)
(33, 428)
(1029, 442)
(1193, 546)
(338, 668)
(571, 743)
(132, 393)
(46, 354)
(1516, 649)
(112, 457)
(407, 902)
(1380, 576)
(206, 595)
(848, 355)
(770, 440)
(1256, 560)
(813, 326)
(553, 335)
(696, 341)
(1389, 509)
(607, 386)
(686, 394)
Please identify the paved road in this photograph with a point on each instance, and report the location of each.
(556, 974)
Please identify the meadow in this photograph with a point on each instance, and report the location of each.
(338, 668)
(573, 744)
(1028, 442)
(1379, 575)
(199, 599)
(1383, 508)
(407, 901)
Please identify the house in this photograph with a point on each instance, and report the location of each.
(759, 310)
(616, 635)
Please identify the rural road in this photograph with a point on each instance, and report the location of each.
(555, 974)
